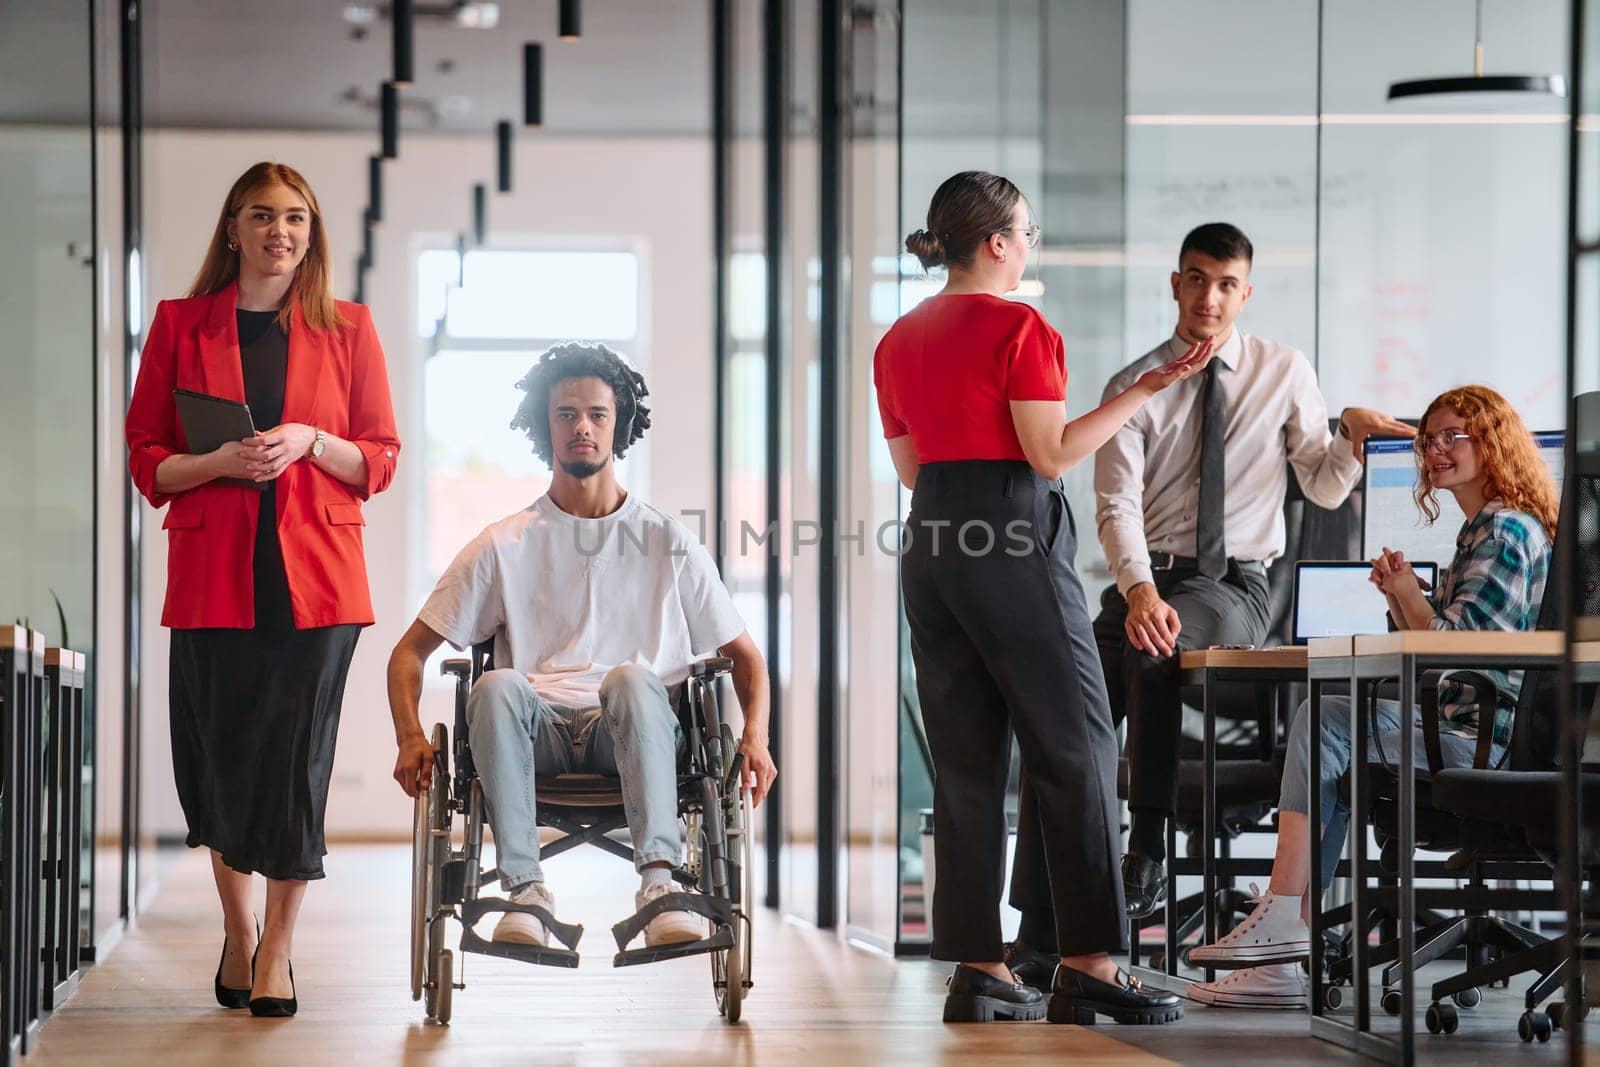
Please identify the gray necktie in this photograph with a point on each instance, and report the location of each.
(1210, 547)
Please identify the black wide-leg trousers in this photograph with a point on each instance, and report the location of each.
(1002, 643)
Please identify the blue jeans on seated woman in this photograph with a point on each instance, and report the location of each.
(1457, 750)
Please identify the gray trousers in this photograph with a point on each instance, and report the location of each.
(633, 734)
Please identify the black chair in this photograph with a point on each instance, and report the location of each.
(1496, 820)
(587, 809)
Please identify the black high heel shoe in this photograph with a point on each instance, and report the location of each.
(227, 996)
(277, 1007)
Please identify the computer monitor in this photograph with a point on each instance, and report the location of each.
(1336, 599)
(1390, 518)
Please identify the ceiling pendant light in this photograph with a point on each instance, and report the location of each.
(389, 120)
(502, 155)
(571, 20)
(1478, 81)
(375, 188)
(480, 213)
(404, 26)
(532, 84)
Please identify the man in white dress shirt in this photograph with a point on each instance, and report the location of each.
(1190, 561)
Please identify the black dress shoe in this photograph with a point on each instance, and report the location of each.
(1028, 965)
(1076, 997)
(977, 997)
(276, 1007)
(228, 996)
(1144, 884)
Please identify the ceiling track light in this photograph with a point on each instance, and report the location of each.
(532, 84)
(389, 120)
(375, 188)
(405, 42)
(480, 213)
(1477, 81)
(571, 20)
(502, 155)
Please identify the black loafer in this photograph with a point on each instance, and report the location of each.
(1076, 997)
(1028, 965)
(1144, 884)
(976, 997)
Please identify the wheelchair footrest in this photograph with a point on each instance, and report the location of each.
(722, 939)
(720, 912)
(517, 950)
(569, 934)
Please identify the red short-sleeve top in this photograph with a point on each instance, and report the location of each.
(948, 370)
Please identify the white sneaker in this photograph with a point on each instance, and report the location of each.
(670, 927)
(1272, 933)
(1282, 985)
(521, 927)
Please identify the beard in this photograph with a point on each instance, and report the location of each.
(581, 469)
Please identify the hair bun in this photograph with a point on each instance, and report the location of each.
(927, 247)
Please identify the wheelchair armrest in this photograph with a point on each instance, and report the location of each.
(461, 668)
(710, 668)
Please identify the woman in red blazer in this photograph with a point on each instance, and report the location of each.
(266, 578)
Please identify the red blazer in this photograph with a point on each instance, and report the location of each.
(336, 380)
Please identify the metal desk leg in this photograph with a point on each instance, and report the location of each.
(1208, 821)
(1314, 828)
(1408, 843)
(1359, 691)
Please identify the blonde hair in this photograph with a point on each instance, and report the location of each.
(1514, 473)
(312, 288)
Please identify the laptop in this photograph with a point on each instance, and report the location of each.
(1333, 598)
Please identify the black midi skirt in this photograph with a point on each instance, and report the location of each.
(255, 714)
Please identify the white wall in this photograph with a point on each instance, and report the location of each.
(652, 191)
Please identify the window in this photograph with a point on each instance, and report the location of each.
(485, 336)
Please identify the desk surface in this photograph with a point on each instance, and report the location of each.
(1289, 657)
(1462, 643)
(1586, 652)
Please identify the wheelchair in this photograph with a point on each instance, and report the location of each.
(585, 809)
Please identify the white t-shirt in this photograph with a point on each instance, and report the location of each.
(567, 599)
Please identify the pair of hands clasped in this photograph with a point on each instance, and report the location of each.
(266, 455)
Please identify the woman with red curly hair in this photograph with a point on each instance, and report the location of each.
(1474, 446)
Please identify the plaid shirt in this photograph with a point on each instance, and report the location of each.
(1495, 582)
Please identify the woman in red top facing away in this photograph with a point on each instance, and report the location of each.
(972, 392)
(266, 578)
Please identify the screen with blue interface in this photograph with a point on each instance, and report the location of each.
(1391, 518)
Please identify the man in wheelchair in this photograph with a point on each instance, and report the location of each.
(597, 604)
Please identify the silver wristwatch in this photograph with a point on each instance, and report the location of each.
(319, 445)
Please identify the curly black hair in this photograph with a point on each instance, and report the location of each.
(577, 360)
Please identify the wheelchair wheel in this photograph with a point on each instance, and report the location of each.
(730, 970)
(427, 859)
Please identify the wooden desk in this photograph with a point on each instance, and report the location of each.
(1372, 659)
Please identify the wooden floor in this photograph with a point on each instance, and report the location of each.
(816, 1000)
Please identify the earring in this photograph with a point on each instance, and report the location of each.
(232, 247)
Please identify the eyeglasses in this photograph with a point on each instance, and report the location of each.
(1445, 439)
(1030, 233)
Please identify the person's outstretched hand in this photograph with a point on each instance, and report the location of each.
(1187, 365)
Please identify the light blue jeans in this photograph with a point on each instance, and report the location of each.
(633, 734)
(1337, 747)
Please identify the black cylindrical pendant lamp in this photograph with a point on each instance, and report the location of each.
(375, 188)
(502, 155)
(532, 84)
(571, 20)
(389, 117)
(366, 236)
(405, 51)
(480, 213)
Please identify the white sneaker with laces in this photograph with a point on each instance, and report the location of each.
(1281, 985)
(1272, 933)
(519, 926)
(670, 927)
